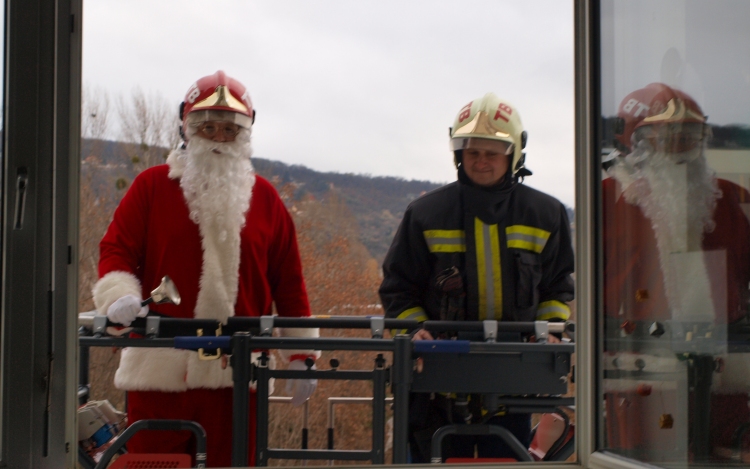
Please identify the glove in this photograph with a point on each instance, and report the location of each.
(301, 389)
(126, 309)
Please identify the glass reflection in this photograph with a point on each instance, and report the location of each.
(676, 158)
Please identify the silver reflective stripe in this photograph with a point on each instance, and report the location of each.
(489, 292)
(488, 270)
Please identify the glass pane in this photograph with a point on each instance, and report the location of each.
(676, 172)
(2, 177)
(354, 101)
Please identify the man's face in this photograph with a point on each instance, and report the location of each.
(486, 164)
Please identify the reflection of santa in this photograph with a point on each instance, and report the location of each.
(677, 246)
(677, 243)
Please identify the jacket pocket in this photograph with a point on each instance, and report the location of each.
(528, 277)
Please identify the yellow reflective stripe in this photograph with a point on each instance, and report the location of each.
(527, 237)
(416, 313)
(552, 310)
(445, 240)
(489, 274)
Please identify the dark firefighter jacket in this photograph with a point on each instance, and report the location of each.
(511, 248)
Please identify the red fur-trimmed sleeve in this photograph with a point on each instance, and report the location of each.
(121, 249)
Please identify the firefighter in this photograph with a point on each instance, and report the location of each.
(676, 254)
(483, 247)
(224, 236)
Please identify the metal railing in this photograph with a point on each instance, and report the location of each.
(541, 374)
(332, 401)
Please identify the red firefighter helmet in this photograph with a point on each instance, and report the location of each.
(217, 97)
(658, 106)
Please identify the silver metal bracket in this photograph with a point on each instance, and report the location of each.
(490, 330)
(541, 330)
(100, 324)
(266, 326)
(152, 326)
(377, 326)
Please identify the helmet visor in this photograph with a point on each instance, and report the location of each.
(197, 118)
(499, 146)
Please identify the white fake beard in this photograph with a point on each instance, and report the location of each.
(678, 194)
(218, 188)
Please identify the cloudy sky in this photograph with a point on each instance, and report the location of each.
(365, 87)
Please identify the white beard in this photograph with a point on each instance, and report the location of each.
(218, 189)
(678, 194)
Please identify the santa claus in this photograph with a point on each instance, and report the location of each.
(224, 236)
(676, 248)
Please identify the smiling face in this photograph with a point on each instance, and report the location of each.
(485, 164)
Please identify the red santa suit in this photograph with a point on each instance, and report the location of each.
(152, 235)
(634, 291)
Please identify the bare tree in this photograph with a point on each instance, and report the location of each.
(149, 122)
(95, 122)
(95, 115)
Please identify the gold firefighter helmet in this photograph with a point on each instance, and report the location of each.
(490, 118)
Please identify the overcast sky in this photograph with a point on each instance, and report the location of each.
(699, 47)
(365, 87)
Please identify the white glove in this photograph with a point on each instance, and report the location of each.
(126, 309)
(301, 389)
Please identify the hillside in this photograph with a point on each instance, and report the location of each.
(377, 203)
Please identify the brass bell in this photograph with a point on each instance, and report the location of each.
(166, 292)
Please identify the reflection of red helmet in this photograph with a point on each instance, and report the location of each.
(655, 104)
(218, 92)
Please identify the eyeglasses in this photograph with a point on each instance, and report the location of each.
(213, 129)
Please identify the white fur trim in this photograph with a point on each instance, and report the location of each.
(207, 374)
(219, 277)
(171, 370)
(152, 369)
(176, 162)
(298, 332)
(113, 286)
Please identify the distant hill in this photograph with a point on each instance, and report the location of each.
(377, 203)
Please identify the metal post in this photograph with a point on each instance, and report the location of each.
(261, 410)
(241, 397)
(378, 411)
(83, 374)
(402, 377)
(701, 375)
